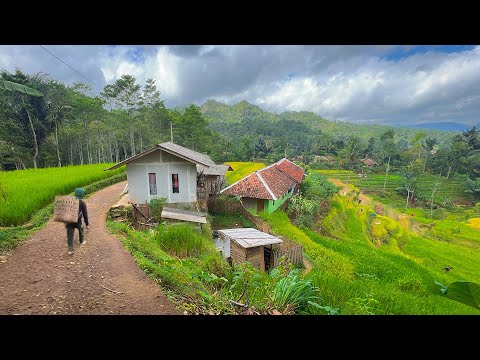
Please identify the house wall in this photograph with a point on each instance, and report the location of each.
(237, 253)
(250, 204)
(272, 205)
(163, 165)
(223, 242)
(256, 257)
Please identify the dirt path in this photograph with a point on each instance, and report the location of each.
(100, 278)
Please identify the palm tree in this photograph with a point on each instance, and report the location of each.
(473, 187)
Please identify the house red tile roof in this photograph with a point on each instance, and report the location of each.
(249, 186)
(271, 182)
(278, 182)
(292, 170)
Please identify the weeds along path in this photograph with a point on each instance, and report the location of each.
(100, 278)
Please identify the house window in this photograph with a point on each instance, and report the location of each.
(175, 183)
(152, 182)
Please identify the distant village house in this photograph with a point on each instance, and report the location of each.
(369, 162)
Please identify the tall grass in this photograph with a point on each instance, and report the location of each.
(27, 191)
(182, 240)
(241, 169)
(204, 283)
(385, 280)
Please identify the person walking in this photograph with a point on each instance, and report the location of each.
(82, 218)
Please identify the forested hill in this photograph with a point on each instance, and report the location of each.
(227, 118)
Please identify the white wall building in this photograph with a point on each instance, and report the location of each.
(167, 170)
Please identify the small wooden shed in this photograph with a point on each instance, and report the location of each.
(248, 244)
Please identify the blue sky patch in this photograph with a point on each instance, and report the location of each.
(401, 52)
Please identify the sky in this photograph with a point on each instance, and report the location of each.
(385, 84)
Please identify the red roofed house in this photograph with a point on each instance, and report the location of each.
(268, 188)
(369, 162)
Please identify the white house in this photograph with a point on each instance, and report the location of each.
(167, 170)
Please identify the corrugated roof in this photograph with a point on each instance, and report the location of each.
(187, 153)
(249, 237)
(180, 151)
(214, 170)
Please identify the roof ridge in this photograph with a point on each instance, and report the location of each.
(266, 185)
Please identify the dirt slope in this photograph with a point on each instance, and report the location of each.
(100, 278)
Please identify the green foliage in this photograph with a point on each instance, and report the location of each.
(293, 293)
(231, 220)
(316, 186)
(362, 305)
(324, 258)
(465, 292)
(473, 187)
(182, 240)
(156, 205)
(11, 86)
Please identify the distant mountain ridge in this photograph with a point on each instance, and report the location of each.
(223, 118)
(442, 126)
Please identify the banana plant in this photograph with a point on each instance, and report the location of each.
(465, 292)
(11, 86)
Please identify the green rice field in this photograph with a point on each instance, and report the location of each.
(27, 191)
(453, 188)
(241, 169)
(359, 277)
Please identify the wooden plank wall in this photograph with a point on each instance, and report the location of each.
(238, 254)
(294, 255)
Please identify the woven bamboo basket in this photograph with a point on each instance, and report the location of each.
(66, 209)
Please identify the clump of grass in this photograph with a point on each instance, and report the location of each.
(293, 293)
(182, 240)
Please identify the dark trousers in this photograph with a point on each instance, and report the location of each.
(71, 234)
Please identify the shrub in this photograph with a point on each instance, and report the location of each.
(156, 205)
(292, 294)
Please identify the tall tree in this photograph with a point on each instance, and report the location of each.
(409, 180)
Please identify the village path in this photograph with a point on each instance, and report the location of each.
(100, 278)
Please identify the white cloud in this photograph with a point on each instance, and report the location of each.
(354, 83)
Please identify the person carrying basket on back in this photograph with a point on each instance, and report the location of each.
(82, 219)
